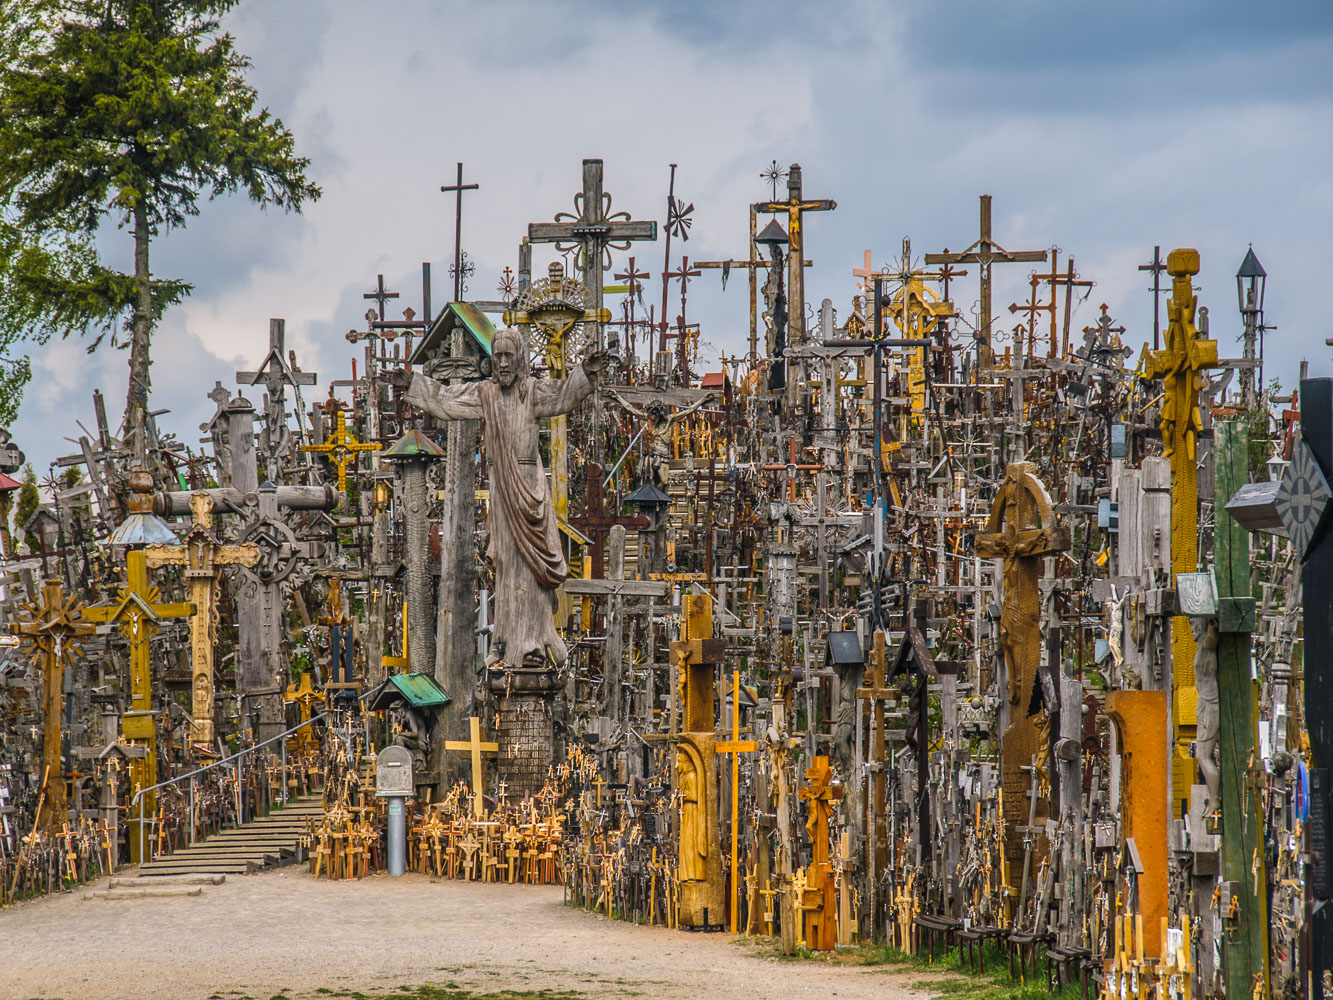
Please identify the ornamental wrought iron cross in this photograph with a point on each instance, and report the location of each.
(380, 294)
(985, 252)
(594, 230)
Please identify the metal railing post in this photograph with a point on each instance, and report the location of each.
(283, 744)
(191, 812)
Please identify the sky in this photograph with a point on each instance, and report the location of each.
(1099, 129)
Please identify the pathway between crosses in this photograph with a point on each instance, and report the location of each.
(285, 932)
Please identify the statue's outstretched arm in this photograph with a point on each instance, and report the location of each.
(447, 402)
(555, 396)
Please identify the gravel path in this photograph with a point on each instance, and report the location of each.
(259, 935)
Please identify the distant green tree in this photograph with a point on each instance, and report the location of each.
(29, 500)
(128, 108)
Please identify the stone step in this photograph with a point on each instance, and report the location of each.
(179, 890)
(162, 880)
(197, 867)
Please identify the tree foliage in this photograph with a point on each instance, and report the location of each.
(132, 111)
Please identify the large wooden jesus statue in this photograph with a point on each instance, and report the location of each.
(524, 539)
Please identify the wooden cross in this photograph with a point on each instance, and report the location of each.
(202, 555)
(986, 252)
(341, 448)
(593, 231)
(276, 363)
(735, 746)
(55, 634)
(476, 747)
(796, 206)
(1020, 531)
(597, 520)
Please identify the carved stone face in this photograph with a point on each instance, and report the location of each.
(505, 363)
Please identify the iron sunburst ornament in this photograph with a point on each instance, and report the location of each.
(1301, 498)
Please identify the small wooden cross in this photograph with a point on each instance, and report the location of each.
(476, 747)
(735, 746)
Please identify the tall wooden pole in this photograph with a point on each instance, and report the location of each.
(1245, 943)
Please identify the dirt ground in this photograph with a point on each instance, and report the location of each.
(284, 932)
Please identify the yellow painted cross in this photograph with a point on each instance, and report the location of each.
(341, 448)
(476, 747)
(735, 746)
(202, 555)
(137, 609)
(1180, 366)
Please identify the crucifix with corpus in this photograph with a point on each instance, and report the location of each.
(476, 748)
(1021, 532)
(202, 556)
(54, 631)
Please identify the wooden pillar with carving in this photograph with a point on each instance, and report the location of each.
(1180, 367)
(699, 859)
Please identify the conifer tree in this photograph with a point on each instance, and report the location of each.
(133, 110)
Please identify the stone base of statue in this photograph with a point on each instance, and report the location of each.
(699, 862)
(524, 725)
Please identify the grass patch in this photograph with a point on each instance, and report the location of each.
(959, 981)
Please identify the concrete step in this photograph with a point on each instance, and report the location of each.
(164, 880)
(197, 867)
(111, 894)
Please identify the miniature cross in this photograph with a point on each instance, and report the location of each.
(735, 746)
(476, 747)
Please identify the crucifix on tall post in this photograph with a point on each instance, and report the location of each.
(985, 252)
(458, 187)
(795, 206)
